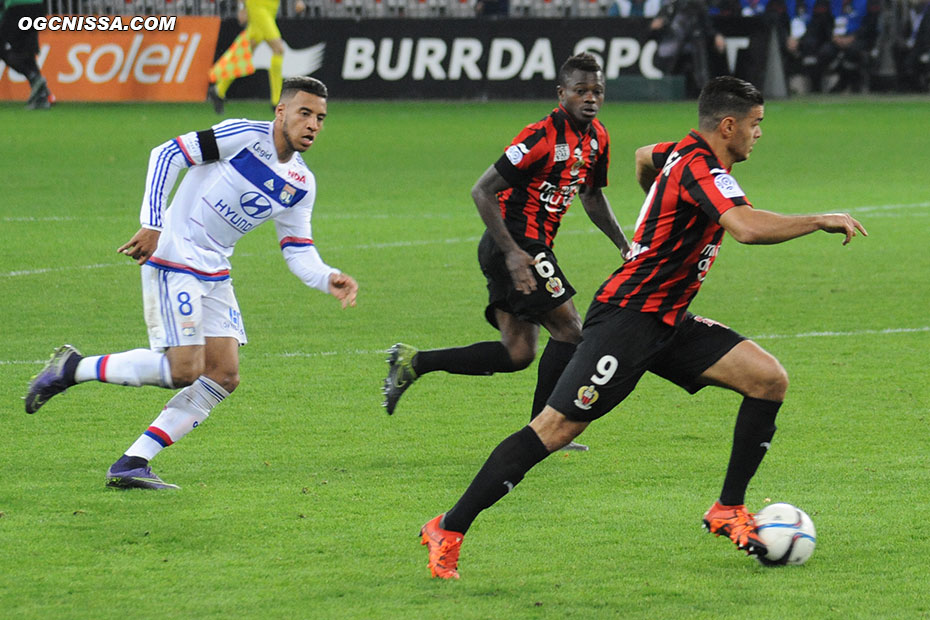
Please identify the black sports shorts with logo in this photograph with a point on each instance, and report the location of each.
(619, 346)
(552, 287)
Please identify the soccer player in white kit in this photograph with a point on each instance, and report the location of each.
(242, 174)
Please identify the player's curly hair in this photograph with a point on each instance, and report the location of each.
(726, 96)
(303, 83)
(581, 62)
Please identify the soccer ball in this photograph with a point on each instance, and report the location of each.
(787, 532)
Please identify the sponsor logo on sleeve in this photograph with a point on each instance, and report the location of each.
(515, 153)
(728, 186)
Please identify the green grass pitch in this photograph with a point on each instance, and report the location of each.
(301, 499)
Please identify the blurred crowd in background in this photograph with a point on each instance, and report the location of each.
(827, 45)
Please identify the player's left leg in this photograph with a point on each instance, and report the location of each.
(751, 371)
(744, 367)
(187, 410)
(564, 327)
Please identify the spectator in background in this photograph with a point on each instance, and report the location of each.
(915, 53)
(492, 8)
(686, 36)
(726, 8)
(634, 8)
(855, 38)
(815, 46)
(19, 48)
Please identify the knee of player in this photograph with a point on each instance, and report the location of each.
(774, 382)
(184, 374)
(229, 381)
(183, 377)
(521, 357)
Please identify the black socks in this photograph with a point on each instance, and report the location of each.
(481, 358)
(503, 470)
(755, 427)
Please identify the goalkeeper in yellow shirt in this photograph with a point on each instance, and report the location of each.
(236, 62)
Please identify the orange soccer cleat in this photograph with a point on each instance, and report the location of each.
(737, 524)
(444, 547)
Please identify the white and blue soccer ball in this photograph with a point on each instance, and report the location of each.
(787, 532)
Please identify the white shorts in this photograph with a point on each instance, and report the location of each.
(181, 310)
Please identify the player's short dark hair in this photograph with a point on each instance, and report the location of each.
(303, 83)
(581, 62)
(726, 96)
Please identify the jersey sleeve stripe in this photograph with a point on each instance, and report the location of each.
(295, 242)
(156, 197)
(187, 156)
(237, 128)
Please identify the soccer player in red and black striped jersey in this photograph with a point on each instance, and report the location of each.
(639, 320)
(522, 198)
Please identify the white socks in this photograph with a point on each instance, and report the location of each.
(136, 367)
(182, 414)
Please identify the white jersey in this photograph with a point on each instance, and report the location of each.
(240, 186)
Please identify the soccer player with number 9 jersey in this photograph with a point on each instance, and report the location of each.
(639, 322)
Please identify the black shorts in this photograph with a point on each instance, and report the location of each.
(25, 41)
(620, 345)
(552, 287)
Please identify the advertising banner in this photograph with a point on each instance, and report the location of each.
(163, 59)
(474, 59)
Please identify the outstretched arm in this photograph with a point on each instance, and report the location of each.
(598, 209)
(753, 226)
(343, 287)
(484, 193)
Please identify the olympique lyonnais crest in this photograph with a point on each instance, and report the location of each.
(587, 396)
(287, 194)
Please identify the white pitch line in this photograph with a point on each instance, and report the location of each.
(868, 209)
(861, 332)
(33, 272)
(851, 334)
(414, 242)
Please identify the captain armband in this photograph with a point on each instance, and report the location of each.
(209, 150)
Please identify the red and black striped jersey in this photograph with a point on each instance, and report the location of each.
(546, 165)
(677, 233)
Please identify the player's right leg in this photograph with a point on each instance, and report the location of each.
(593, 383)
(67, 367)
(506, 466)
(173, 313)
